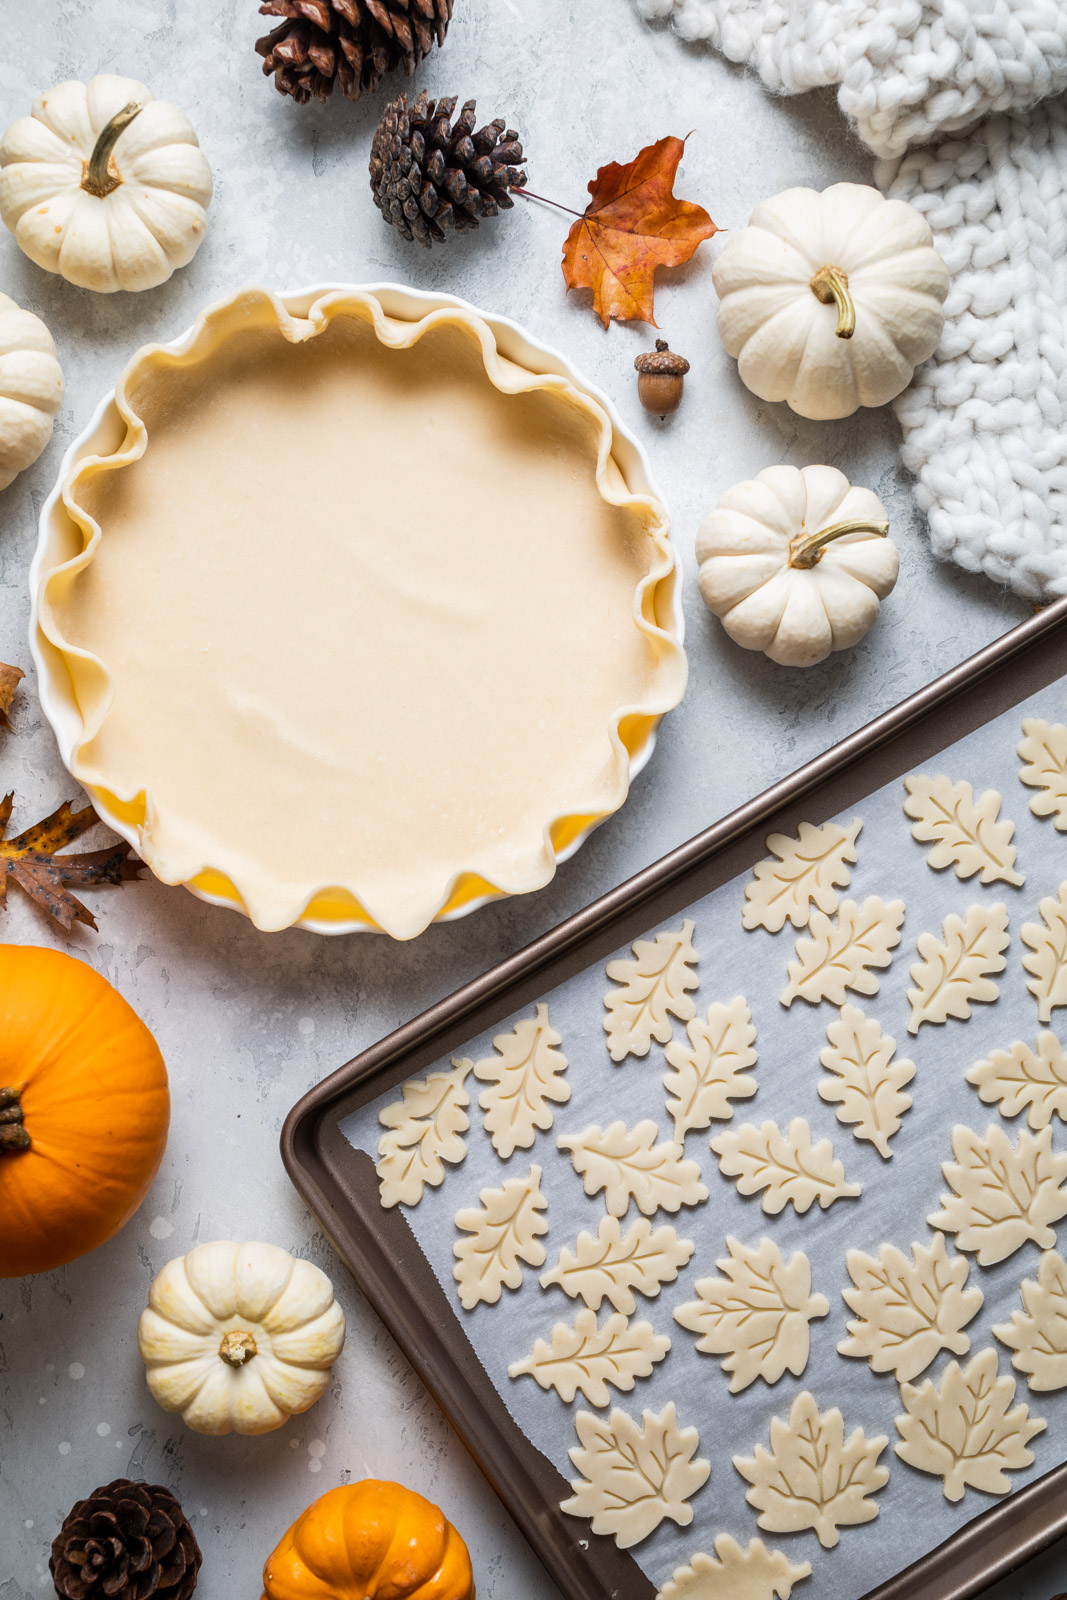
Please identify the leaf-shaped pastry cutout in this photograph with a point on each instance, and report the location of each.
(1038, 1334)
(709, 1072)
(633, 1477)
(787, 1166)
(653, 988)
(812, 1476)
(757, 1315)
(587, 1358)
(966, 833)
(965, 1430)
(1043, 752)
(504, 1231)
(1020, 1079)
(908, 1311)
(524, 1075)
(800, 873)
(953, 971)
(628, 1164)
(836, 955)
(1004, 1194)
(754, 1573)
(610, 1265)
(867, 1084)
(425, 1128)
(1047, 962)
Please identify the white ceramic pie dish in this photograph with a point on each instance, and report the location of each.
(60, 539)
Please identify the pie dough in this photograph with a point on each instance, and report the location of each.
(908, 1311)
(1047, 961)
(755, 1573)
(628, 1164)
(525, 1078)
(800, 873)
(955, 970)
(966, 833)
(1038, 1334)
(1043, 752)
(866, 1084)
(786, 1166)
(364, 621)
(505, 1230)
(652, 989)
(611, 1266)
(634, 1477)
(836, 956)
(587, 1358)
(425, 1128)
(964, 1429)
(710, 1072)
(1004, 1195)
(1020, 1079)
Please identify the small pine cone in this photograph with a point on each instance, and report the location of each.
(351, 42)
(428, 173)
(126, 1542)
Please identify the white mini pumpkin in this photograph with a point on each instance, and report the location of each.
(239, 1337)
(796, 563)
(830, 301)
(31, 389)
(105, 185)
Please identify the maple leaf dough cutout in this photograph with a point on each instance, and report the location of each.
(610, 1266)
(787, 1166)
(653, 989)
(1038, 1334)
(10, 678)
(1047, 961)
(504, 1231)
(800, 873)
(1020, 1079)
(966, 833)
(908, 1311)
(953, 972)
(425, 1128)
(812, 1477)
(587, 1358)
(964, 1431)
(755, 1573)
(757, 1314)
(837, 956)
(1004, 1195)
(866, 1083)
(710, 1072)
(32, 861)
(524, 1076)
(633, 1477)
(628, 1164)
(1043, 752)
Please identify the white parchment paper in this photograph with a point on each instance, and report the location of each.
(898, 1194)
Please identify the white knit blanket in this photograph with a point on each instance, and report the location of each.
(985, 421)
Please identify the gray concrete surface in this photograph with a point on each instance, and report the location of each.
(248, 1021)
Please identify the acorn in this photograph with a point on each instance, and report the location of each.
(660, 380)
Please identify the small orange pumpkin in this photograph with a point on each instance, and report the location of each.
(370, 1541)
(84, 1110)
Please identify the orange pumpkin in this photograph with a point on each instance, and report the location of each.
(84, 1110)
(370, 1541)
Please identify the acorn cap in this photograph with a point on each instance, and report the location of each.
(662, 362)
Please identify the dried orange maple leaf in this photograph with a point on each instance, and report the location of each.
(10, 678)
(30, 860)
(633, 224)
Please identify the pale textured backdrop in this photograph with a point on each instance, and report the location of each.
(248, 1021)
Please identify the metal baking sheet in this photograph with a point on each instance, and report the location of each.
(402, 1258)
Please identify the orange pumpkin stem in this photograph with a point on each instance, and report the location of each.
(13, 1135)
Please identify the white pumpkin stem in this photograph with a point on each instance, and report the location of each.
(237, 1347)
(99, 177)
(830, 286)
(805, 551)
(13, 1135)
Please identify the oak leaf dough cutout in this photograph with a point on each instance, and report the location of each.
(757, 1314)
(425, 1128)
(633, 1477)
(1020, 1079)
(587, 1357)
(628, 1164)
(653, 987)
(525, 1076)
(786, 1166)
(1047, 961)
(504, 1231)
(1043, 752)
(611, 1266)
(837, 956)
(964, 1431)
(799, 873)
(953, 971)
(812, 1476)
(1038, 1333)
(966, 833)
(755, 1573)
(908, 1311)
(709, 1073)
(1004, 1195)
(866, 1083)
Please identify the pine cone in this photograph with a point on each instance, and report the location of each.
(352, 42)
(126, 1542)
(427, 174)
